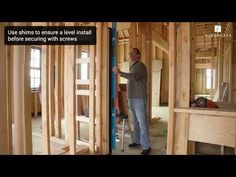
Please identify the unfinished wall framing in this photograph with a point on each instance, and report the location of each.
(189, 125)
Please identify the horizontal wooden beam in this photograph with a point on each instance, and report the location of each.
(123, 25)
(82, 60)
(160, 42)
(81, 82)
(204, 55)
(123, 41)
(203, 66)
(82, 119)
(82, 142)
(207, 111)
(82, 92)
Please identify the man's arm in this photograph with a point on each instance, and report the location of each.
(136, 75)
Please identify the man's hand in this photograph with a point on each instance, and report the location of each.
(116, 70)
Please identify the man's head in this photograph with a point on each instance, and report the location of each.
(135, 54)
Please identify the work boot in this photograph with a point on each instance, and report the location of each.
(133, 145)
(146, 151)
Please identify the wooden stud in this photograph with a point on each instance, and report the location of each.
(148, 51)
(92, 99)
(4, 144)
(21, 99)
(69, 96)
(21, 103)
(62, 79)
(105, 89)
(172, 86)
(233, 68)
(133, 35)
(212, 61)
(78, 109)
(51, 89)
(220, 66)
(193, 69)
(27, 106)
(233, 94)
(182, 88)
(9, 95)
(121, 46)
(58, 94)
(35, 104)
(18, 100)
(127, 50)
(98, 87)
(45, 100)
(191, 144)
(165, 69)
(234, 64)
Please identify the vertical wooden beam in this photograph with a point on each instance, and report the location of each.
(21, 101)
(35, 104)
(62, 79)
(154, 96)
(212, 66)
(139, 36)
(69, 96)
(91, 99)
(193, 68)
(216, 63)
(184, 91)
(220, 65)
(165, 69)
(182, 88)
(27, 106)
(61, 54)
(127, 50)
(51, 89)
(121, 51)
(78, 100)
(4, 144)
(172, 86)
(105, 89)
(192, 144)
(18, 99)
(9, 99)
(45, 100)
(133, 35)
(233, 94)
(58, 95)
(148, 52)
(98, 87)
(233, 90)
(146, 47)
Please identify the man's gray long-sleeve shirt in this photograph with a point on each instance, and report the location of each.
(137, 81)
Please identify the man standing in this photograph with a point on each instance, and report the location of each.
(137, 100)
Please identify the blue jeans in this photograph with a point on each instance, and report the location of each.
(137, 108)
